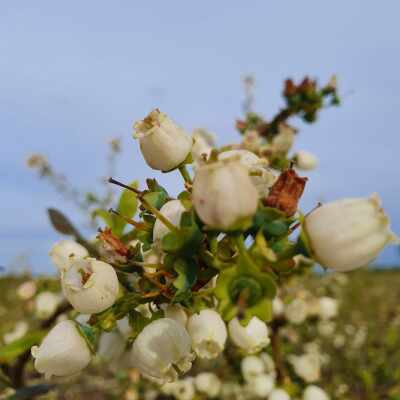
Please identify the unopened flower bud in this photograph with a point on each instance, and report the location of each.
(90, 285)
(313, 392)
(251, 367)
(172, 210)
(307, 366)
(327, 307)
(26, 290)
(208, 333)
(164, 144)
(224, 196)
(261, 177)
(64, 252)
(261, 386)
(251, 338)
(348, 234)
(162, 348)
(305, 160)
(62, 352)
(208, 383)
(296, 311)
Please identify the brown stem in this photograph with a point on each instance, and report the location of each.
(281, 374)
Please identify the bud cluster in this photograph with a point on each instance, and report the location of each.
(172, 278)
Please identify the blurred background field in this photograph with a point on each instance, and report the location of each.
(360, 349)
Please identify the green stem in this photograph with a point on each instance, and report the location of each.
(247, 264)
(185, 174)
(239, 241)
(158, 215)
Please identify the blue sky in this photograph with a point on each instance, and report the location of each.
(74, 74)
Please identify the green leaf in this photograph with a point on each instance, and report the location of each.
(187, 276)
(12, 350)
(276, 228)
(156, 199)
(127, 207)
(172, 242)
(185, 199)
(105, 216)
(89, 334)
(187, 240)
(284, 248)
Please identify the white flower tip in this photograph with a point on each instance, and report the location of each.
(375, 199)
(145, 127)
(208, 349)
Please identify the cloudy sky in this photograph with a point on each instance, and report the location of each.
(74, 74)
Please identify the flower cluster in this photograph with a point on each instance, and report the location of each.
(191, 272)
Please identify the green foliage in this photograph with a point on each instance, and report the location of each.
(187, 276)
(127, 207)
(11, 351)
(244, 290)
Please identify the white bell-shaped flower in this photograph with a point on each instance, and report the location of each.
(203, 143)
(278, 394)
(251, 338)
(349, 233)
(262, 385)
(184, 389)
(296, 311)
(90, 285)
(172, 210)
(164, 144)
(26, 290)
(307, 366)
(224, 196)
(313, 392)
(177, 313)
(208, 333)
(162, 348)
(251, 367)
(305, 160)
(62, 352)
(328, 307)
(46, 304)
(269, 363)
(326, 328)
(261, 176)
(208, 383)
(64, 252)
